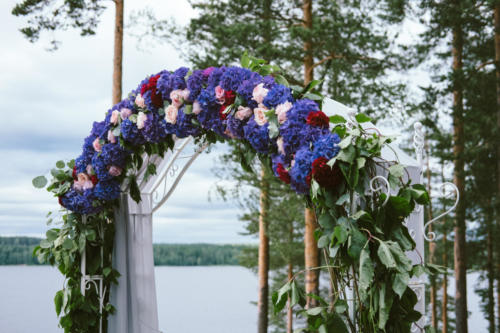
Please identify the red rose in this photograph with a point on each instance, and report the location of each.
(283, 173)
(326, 176)
(222, 115)
(94, 179)
(74, 173)
(318, 118)
(156, 98)
(60, 201)
(229, 97)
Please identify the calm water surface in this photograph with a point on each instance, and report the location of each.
(190, 299)
(209, 299)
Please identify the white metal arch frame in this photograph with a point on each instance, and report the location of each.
(135, 295)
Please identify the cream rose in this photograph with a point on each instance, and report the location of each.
(141, 119)
(115, 115)
(125, 113)
(97, 145)
(139, 100)
(281, 111)
(196, 107)
(171, 114)
(281, 148)
(259, 93)
(243, 113)
(111, 137)
(177, 98)
(260, 116)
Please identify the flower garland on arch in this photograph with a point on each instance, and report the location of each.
(232, 102)
(362, 235)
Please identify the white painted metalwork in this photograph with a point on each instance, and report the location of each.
(431, 236)
(380, 188)
(87, 281)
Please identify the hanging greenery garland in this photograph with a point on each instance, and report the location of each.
(328, 160)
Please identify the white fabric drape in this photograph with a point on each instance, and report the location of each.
(135, 295)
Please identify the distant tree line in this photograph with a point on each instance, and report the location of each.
(18, 251)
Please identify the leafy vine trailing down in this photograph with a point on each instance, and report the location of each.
(363, 238)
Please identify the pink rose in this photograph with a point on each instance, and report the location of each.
(111, 137)
(260, 116)
(177, 98)
(87, 185)
(196, 107)
(139, 100)
(115, 171)
(115, 115)
(219, 94)
(171, 114)
(229, 133)
(281, 111)
(97, 145)
(281, 148)
(243, 113)
(259, 93)
(185, 94)
(83, 182)
(141, 118)
(125, 113)
(90, 169)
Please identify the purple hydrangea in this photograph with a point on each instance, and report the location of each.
(257, 136)
(154, 128)
(215, 75)
(246, 89)
(185, 126)
(209, 116)
(301, 169)
(326, 146)
(279, 94)
(82, 203)
(85, 158)
(131, 133)
(195, 83)
(235, 126)
(300, 110)
(233, 77)
(107, 190)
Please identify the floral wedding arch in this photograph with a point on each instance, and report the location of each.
(335, 161)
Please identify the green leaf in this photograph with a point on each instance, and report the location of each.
(245, 60)
(385, 255)
(366, 271)
(39, 182)
(68, 244)
(60, 164)
(326, 221)
(106, 271)
(357, 241)
(135, 193)
(58, 301)
(340, 234)
(362, 118)
(314, 97)
(314, 311)
(343, 199)
(337, 325)
(397, 170)
(273, 129)
(280, 298)
(347, 155)
(280, 79)
(337, 119)
(400, 283)
(323, 241)
(45, 244)
(340, 306)
(385, 304)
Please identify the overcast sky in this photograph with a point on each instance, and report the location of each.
(50, 100)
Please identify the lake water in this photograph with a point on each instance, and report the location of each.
(190, 299)
(212, 299)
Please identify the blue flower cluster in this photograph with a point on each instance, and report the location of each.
(184, 103)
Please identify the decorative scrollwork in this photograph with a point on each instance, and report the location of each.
(431, 236)
(381, 188)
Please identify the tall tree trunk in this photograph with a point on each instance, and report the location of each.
(444, 308)
(118, 52)
(490, 271)
(459, 180)
(311, 247)
(497, 66)
(432, 245)
(311, 257)
(289, 313)
(263, 270)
